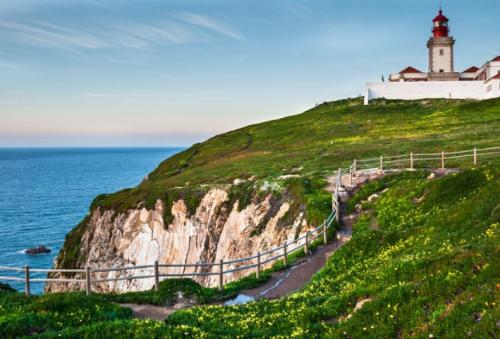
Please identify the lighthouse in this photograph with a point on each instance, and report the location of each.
(440, 81)
(440, 47)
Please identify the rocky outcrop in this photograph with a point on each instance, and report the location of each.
(219, 229)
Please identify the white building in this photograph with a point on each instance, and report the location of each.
(441, 80)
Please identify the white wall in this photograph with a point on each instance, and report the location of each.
(492, 89)
(431, 90)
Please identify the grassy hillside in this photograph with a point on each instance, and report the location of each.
(424, 258)
(316, 142)
(426, 255)
(312, 145)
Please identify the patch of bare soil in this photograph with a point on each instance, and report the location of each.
(150, 311)
(154, 312)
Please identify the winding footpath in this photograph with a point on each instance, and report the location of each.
(287, 281)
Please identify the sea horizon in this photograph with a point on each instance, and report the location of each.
(94, 147)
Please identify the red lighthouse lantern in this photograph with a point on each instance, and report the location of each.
(440, 27)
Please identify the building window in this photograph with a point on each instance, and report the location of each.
(441, 71)
(489, 88)
(441, 52)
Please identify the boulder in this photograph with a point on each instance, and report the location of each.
(38, 250)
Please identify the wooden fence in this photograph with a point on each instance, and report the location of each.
(425, 160)
(257, 261)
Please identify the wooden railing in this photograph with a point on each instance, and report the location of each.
(257, 261)
(426, 160)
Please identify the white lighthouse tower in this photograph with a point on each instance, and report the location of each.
(440, 47)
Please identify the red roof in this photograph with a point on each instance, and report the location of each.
(410, 69)
(496, 76)
(440, 17)
(496, 59)
(472, 69)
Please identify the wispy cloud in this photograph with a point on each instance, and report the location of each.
(142, 36)
(47, 35)
(114, 32)
(211, 24)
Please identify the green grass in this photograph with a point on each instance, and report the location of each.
(319, 141)
(311, 145)
(169, 289)
(429, 269)
(426, 255)
(23, 316)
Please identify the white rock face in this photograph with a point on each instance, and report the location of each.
(216, 231)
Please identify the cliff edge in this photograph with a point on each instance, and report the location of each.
(250, 189)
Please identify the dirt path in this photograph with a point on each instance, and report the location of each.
(289, 281)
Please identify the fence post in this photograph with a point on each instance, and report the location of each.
(258, 265)
(285, 252)
(87, 280)
(350, 175)
(306, 245)
(221, 275)
(157, 277)
(411, 160)
(337, 208)
(27, 280)
(475, 156)
(381, 163)
(337, 196)
(442, 160)
(195, 269)
(325, 235)
(355, 167)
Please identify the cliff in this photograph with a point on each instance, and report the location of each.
(249, 189)
(219, 228)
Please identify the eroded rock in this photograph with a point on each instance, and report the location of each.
(217, 230)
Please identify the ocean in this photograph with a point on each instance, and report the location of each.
(45, 192)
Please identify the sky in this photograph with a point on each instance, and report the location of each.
(175, 72)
